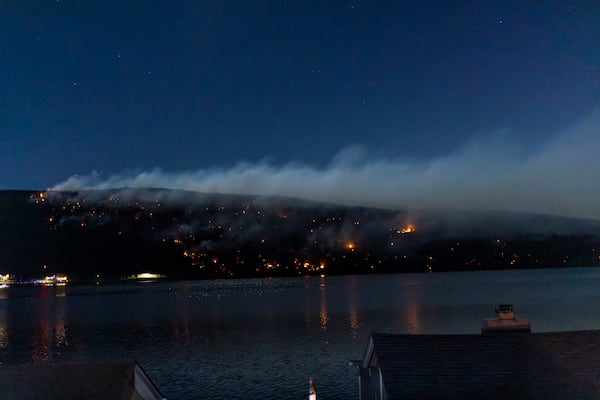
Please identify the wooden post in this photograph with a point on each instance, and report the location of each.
(312, 393)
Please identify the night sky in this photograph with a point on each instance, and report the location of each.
(122, 87)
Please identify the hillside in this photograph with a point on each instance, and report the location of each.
(187, 235)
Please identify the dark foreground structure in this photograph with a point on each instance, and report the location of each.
(512, 365)
(116, 380)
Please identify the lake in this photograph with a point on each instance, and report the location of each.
(264, 338)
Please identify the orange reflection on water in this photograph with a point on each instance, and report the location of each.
(354, 324)
(307, 302)
(353, 308)
(3, 336)
(60, 291)
(413, 321)
(41, 342)
(323, 312)
(3, 328)
(354, 318)
(60, 331)
(60, 335)
(181, 325)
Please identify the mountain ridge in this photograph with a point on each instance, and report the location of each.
(189, 235)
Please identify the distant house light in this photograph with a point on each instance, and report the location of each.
(144, 276)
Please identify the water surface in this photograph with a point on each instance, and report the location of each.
(264, 338)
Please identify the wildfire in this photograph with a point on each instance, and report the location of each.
(410, 228)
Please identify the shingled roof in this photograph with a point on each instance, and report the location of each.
(556, 365)
(108, 380)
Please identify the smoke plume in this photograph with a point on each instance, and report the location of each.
(559, 177)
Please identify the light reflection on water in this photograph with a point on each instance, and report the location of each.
(3, 325)
(253, 338)
(323, 302)
(60, 331)
(353, 309)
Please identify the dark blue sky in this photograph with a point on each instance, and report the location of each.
(120, 85)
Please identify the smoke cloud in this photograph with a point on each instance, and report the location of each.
(559, 177)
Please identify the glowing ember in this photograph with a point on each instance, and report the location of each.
(410, 228)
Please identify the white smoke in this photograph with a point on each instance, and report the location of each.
(560, 177)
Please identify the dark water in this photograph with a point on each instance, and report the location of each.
(263, 338)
